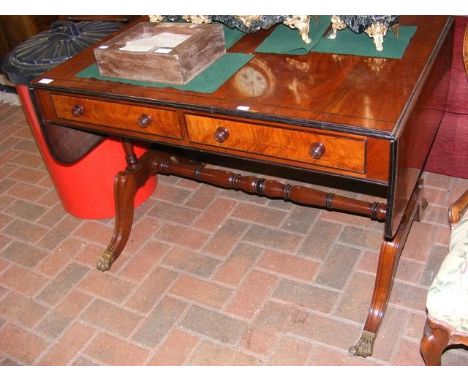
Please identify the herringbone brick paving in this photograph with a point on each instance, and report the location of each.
(209, 276)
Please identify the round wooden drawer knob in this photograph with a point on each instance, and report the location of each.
(144, 120)
(317, 150)
(77, 110)
(221, 134)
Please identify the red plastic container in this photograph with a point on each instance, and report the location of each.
(86, 188)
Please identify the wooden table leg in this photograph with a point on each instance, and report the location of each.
(126, 184)
(388, 262)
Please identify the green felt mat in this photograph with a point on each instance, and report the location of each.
(348, 42)
(207, 81)
(284, 40)
(231, 36)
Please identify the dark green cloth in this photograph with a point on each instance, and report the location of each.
(348, 42)
(284, 40)
(231, 36)
(207, 81)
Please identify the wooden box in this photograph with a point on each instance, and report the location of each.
(172, 53)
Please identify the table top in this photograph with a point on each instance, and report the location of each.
(346, 93)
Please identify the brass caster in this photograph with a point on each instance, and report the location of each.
(421, 210)
(105, 261)
(365, 345)
(424, 204)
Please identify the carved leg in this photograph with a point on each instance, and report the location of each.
(303, 29)
(126, 184)
(332, 35)
(388, 262)
(124, 193)
(302, 24)
(337, 25)
(377, 32)
(457, 209)
(396, 30)
(433, 343)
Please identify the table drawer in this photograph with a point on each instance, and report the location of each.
(323, 149)
(145, 120)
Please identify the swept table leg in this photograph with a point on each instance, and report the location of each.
(126, 184)
(388, 262)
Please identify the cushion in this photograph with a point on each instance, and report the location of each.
(447, 299)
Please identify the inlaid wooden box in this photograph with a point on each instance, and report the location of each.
(172, 53)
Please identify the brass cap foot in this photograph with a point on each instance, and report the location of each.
(105, 261)
(365, 345)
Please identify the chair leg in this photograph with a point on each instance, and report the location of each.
(433, 343)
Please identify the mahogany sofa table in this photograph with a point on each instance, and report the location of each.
(350, 119)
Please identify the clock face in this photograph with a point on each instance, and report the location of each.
(251, 82)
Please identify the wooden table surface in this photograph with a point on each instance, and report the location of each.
(368, 94)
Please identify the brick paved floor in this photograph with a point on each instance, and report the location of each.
(209, 276)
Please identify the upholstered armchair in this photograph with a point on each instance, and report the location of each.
(447, 299)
